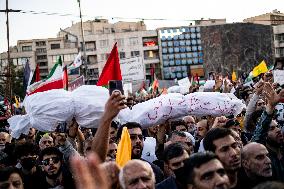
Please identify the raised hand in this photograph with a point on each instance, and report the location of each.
(88, 174)
(272, 97)
(258, 87)
(219, 122)
(115, 103)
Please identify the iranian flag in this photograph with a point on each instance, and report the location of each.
(53, 81)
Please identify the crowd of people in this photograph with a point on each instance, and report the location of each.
(238, 152)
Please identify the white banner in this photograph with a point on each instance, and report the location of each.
(132, 69)
(278, 76)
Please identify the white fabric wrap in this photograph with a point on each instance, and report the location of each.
(89, 103)
(46, 109)
(86, 104)
(175, 105)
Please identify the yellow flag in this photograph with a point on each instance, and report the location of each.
(261, 68)
(123, 154)
(17, 102)
(234, 76)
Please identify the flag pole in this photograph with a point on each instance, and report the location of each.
(83, 45)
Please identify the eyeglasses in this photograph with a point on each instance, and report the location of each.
(47, 161)
(134, 137)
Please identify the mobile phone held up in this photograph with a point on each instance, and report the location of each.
(62, 127)
(115, 85)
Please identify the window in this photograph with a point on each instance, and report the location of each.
(133, 41)
(42, 64)
(43, 71)
(92, 59)
(41, 50)
(55, 58)
(135, 53)
(40, 43)
(41, 57)
(150, 41)
(103, 43)
(280, 51)
(91, 46)
(120, 42)
(26, 48)
(55, 46)
(122, 55)
(279, 37)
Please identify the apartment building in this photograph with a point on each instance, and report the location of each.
(278, 32)
(273, 18)
(43, 52)
(132, 39)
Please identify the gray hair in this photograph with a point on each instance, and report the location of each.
(131, 163)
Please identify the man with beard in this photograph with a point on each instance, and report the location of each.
(268, 132)
(137, 144)
(174, 156)
(203, 170)
(254, 109)
(256, 165)
(56, 175)
(27, 154)
(202, 128)
(222, 142)
(4, 138)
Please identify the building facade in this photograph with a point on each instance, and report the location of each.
(43, 52)
(278, 32)
(132, 39)
(273, 18)
(239, 47)
(181, 52)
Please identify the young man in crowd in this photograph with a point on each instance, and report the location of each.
(137, 144)
(27, 154)
(221, 141)
(55, 174)
(203, 170)
(174, 156)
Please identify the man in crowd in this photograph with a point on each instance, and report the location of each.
(190, 123)
(256, 165)
(222, 142)
(4, 138)
(45, 141)
(174, 157)
(137, 174)
(55, 174)
(137, 144)
(27, 154)
(268, 132)
(203, 170)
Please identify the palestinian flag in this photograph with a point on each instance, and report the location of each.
(53, 81)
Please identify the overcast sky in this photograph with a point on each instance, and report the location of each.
(34, 26)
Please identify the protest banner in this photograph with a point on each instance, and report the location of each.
(76, 83)
(278, 76)
(132, 69)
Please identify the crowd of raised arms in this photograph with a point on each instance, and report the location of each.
(193, 152)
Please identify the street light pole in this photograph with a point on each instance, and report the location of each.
(8, 91)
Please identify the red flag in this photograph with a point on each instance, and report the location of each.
(37, 78)
(111, 70)
(65, 78)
